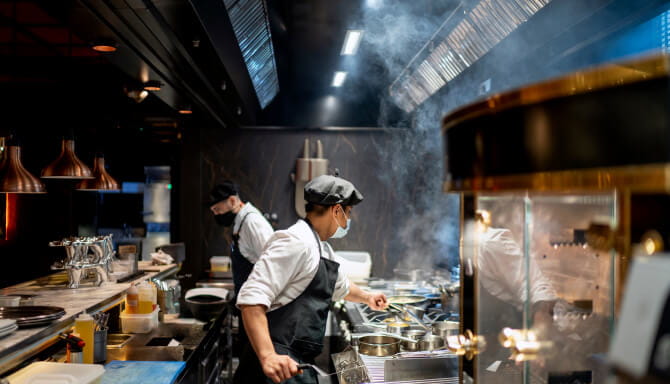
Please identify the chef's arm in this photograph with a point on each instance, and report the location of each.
(374, 300)
(276, 367)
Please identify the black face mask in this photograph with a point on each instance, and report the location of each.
(225, 219)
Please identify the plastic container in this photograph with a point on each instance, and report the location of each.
(146, 298)
(58, 373)
(132, 300)
(84, 325)
(355, 265)
(220, 263)
(138, 323)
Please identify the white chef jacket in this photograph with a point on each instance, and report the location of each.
(286, 267)
(501, 270)
(255, 232)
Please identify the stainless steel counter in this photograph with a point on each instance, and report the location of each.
(52, 290)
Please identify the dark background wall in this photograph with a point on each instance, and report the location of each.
(392, 223)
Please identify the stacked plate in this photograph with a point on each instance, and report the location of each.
(32, 316)
(7, 326)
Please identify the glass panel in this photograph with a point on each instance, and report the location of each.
(572, 288)
(535, 272)
(498, 235)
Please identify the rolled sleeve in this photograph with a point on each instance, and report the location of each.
(274, 270)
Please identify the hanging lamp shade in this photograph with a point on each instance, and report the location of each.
(67, 165)
(14, 177)
(102, 180)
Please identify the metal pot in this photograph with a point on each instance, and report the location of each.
(445, 328)
(416, 335)
(449, 298)
(397, 327)
(378, 345)
(418, 311)
(431, 343)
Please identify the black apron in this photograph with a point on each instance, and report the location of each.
(297, 329)
(241, 265)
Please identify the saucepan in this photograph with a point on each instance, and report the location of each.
(431, 343)
(377, 345)
(415, 335)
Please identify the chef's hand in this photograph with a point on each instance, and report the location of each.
(377, 301)
(279, 367)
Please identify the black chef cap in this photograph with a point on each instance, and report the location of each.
(330, 190)
(223, 191)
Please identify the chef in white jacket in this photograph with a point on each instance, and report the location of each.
(250, 228)
(286, 299)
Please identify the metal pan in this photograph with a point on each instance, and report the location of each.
(378, 345)
(406, 299)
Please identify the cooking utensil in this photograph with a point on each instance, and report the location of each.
(206, 303)
(415, 335)
(378, 345)
(323, 373)
(397, 327)
(406, 299)
(350, 359)
(445, 328)
(418, 311)
(399, 337)
(416, 318)
(431, 343)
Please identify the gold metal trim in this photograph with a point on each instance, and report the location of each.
(606, 76)
(636, 178)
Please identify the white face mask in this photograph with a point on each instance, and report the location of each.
(341, 232)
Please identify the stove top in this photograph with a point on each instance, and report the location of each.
(361, 319)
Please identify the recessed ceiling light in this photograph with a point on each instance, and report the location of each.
(152, 85)
(339, 78)
(104, 45)
(351, 41)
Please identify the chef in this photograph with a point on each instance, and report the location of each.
(250, 229)
(285, 301)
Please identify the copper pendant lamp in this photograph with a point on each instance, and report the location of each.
(102, 180)
(67, 165)
(14, 177)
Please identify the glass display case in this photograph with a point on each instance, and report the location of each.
(559, 182)
(543, 298)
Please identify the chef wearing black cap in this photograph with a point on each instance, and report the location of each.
(286, 299)
(250, 229)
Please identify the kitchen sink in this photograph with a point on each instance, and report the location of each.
(118, 340)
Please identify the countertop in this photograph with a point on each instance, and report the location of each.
(52, 290)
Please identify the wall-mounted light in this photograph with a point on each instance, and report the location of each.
(67, 165)
(339, 78)
(351, 42)
(104, 45)
(153, 85)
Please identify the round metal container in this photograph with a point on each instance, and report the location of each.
(415, 334)
(378, 345)
(431, 342)
(445, 328)
(397, 327)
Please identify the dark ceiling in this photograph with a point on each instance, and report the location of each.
(190, 46)
(308, 37)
